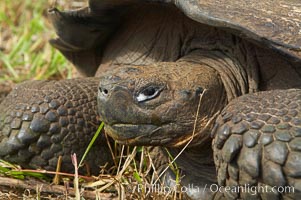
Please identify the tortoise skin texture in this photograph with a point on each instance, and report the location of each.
(167, 71)
(257, 142)
(42, 120)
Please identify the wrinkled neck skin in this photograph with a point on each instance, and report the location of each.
(196, 159)
(167, 35)
(238, 76)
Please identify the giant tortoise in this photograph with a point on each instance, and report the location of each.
(220, 78)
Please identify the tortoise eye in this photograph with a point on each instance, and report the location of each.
(148, 93)
(103, 91)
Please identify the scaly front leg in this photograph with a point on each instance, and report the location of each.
(257, 146)
(42, 120)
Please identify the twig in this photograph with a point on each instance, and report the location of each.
(75, 180)
(31, 184)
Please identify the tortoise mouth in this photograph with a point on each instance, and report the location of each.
(137, 134)
(125, 131)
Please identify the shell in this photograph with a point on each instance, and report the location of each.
(271, 23)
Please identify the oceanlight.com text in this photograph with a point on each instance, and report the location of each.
(253, 190)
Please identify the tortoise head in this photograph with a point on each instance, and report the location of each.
(158, 104)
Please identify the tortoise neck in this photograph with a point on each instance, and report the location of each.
(237, 72)
(196, 159)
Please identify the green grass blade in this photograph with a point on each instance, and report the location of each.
(8, 65)
(91, 143)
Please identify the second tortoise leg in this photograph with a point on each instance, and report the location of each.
(257, 146)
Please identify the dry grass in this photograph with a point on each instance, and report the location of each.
(135, 177)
